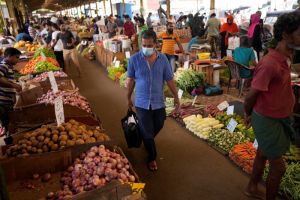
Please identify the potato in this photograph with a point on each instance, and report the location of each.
(50, 143)
(100, 138)
(29, 148)
(82, 127)
(45, 148)
(72, 134)
(63, 133)
(41, 138)
(35, 142)
(72, 121)
(90, 133)
(54, 128)
(63, 137)
(40, 144)
(85, 137)
(80, 141)
(61, 128)
(24, 151)
(43, 130)
(54, 138)
(54, 147)
(27, 135)
(39, 151)
(44, 126)
(48, 134)
(70, 143)
(62, 143)
(55, 132)
(96, 133)
(34, 134)
(24, 145)
(29, 143)
(34, 149)
(47, 140)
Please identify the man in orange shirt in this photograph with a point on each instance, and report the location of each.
(169, 40)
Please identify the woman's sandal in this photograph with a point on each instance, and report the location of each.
(152, 166)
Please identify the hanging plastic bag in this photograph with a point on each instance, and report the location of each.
(131, 130)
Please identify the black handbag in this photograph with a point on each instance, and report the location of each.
(131, 130)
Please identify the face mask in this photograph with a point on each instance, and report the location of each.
(147, 51)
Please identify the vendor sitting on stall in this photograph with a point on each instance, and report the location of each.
(197, 40)
(8, 87)
(23, 36)
(245, 55)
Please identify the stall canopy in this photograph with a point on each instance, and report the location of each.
(55, 5)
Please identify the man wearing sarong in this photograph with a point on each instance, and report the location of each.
(269, 104)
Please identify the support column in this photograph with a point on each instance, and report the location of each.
(142, 8)
(10, 7)
(97, 12)
(104, 7)
(111, 8)
(123, 5)
(168, 8)
(212, 4)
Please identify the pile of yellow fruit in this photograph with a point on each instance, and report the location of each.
(29, 47)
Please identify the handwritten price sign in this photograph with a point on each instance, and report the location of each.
(59, 110)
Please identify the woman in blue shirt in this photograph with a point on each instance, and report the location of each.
(245, 55)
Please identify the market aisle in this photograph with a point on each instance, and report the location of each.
(188, 168)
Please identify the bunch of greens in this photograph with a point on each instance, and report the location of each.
(289, 185)
(189, 79)
(45, 66)
(47, 53)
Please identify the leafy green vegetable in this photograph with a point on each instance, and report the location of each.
(45, 51)
(290, 183)
(225, 140)
(189, 79)
(45, 66)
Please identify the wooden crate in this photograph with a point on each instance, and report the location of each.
(18, 169)
(207, 70)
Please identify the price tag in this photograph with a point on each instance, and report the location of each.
(2, 129)
(59, 110)
(230, 110)
(127, 54)
(194, 101)
(222, 106)
(137, 188)
(53, 81)
(255, 144)
(180, 93)
(115, 59)
(232, 125)
(229, 53)
(117, 64)
(186, 65)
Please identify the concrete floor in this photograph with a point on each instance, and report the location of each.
(188, 168)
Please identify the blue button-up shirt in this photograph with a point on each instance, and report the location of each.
(149, 80)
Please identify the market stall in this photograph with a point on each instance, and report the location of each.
(53, 122)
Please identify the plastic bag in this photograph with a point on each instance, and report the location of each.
(131, 130)
(233, 42)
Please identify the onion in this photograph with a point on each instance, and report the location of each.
(131, 178)
(36, 176)
(70, 169)
(50, 195)
(46, 177)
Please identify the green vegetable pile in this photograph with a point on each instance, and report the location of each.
(123, 79)
(293, 155)
(290, 183)
(115, 73)
(189, 79)
(45, 66)
(225, 140)
(224, 119)
(45, 51)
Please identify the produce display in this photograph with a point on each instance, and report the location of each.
(44, 76)
(89, 52)
(243, 155)
(225, 140)
(187, 80)
(52, 138)
(44, 51)
(212, 110)
(185, 110)
(115, 73)
(94, 169)
(72, 98)
(201, 126)
(249, 133)
(289, 185)
(40, 64)
(29, 47)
